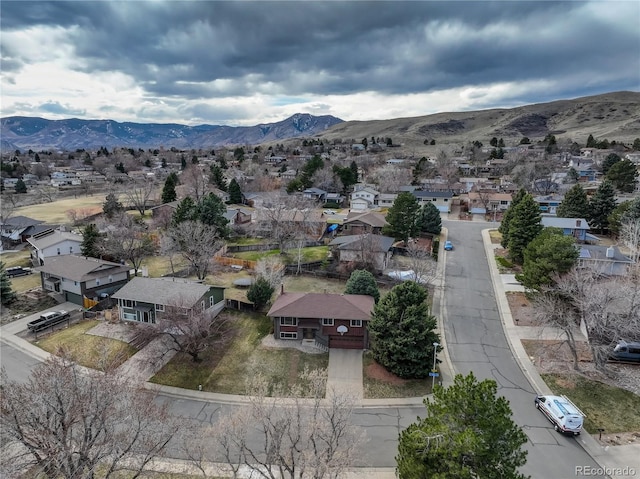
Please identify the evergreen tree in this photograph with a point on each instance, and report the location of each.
(362, 281)
(260, 292)
(636, 144)
(506, 218)
(20, 187)
(550, 253)
(572, 175)
(602, 205)
(6, 290)
(632, 212)
(623, 175)
(430, 221)
(235, 194)
(210, 211)
(591, 142)
(217, 177)
(609, 161)
(169, 189)
(524, 226)
(403, 331)
(403, 217)
(90, 240)
(183, 162)
(467, 433)
(111, 205)
(617, 216)
(185, 211)
(575, 204)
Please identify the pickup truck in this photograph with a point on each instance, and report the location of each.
(47, 320)
(18, 271)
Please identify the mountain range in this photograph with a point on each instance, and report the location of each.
(20, 132)
(614, 116)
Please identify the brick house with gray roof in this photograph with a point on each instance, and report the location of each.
(324, 319)
(146, 299)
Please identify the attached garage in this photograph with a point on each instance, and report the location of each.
(345, 342)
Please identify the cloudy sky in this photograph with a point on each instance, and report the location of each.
(244, 63)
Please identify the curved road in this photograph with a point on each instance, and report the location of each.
(475, 341)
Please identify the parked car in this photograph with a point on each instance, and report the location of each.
(448, 245)
(626, 352)
(18, 271)
(565, 416)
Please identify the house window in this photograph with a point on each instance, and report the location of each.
(356, 323)
(128, 303)
(70, 249)
(210, 301)
(202, 305)
(503, 202)
(159, 307)
(434, 200)
(446, 200)
(97, 281)
(58, 250)
(327, 321)
(288, 321)
(110, 279)
(284, 335)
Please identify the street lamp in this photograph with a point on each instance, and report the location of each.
(433, 375)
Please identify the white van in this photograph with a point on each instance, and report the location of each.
(565, 416)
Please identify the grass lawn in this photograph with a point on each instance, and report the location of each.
(610, 408)
(246, 241)
(160, 265)
(56, 211)
(387, 385)
(16, 258)
(20, 284)
(226, 371)
(314, 253)
(85, 349)
(495, 236)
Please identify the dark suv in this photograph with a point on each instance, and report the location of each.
(18, 271)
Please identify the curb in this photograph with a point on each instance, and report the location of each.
(597, 452)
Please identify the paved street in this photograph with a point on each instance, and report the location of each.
(476, 342)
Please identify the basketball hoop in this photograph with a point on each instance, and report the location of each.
(342, 329)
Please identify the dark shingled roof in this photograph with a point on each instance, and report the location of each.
(323, 305)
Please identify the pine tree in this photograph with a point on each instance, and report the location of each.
(550, 253)
(169, 189)
(90, 239)
(185, 211)
(111, 205)
(524, 227)
(467, 432)
(217, 177)
(403, 331)
(235, 194)
(506, 218)
(609, 161)
(602, 205)
(6, 290)
(623, 175)
(362, 281)
(575, 204)
(430, 220)
(20, 187)
(403, 217)
(260, 292)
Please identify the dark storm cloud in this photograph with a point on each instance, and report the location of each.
(200, 50)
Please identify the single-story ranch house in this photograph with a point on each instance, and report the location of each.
(329, 320)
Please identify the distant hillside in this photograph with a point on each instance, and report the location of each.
(614, 116)
(39, 134)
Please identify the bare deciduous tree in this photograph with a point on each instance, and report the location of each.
(609, 307)
(138, 193)
(128, 239)
(390, 178)
(630, 236)
(194, 181)
(68, 422)
(271, 269)
(310, 438)
(197, 242)
(191, 329)
(422, 263)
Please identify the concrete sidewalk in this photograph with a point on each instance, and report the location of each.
(611, 458)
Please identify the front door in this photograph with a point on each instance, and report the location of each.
(308, 333)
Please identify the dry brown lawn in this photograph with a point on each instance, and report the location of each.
(56, 212)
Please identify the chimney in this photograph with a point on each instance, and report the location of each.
(611, 252)
(578, 223)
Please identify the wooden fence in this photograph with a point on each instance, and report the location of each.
(245, 263)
